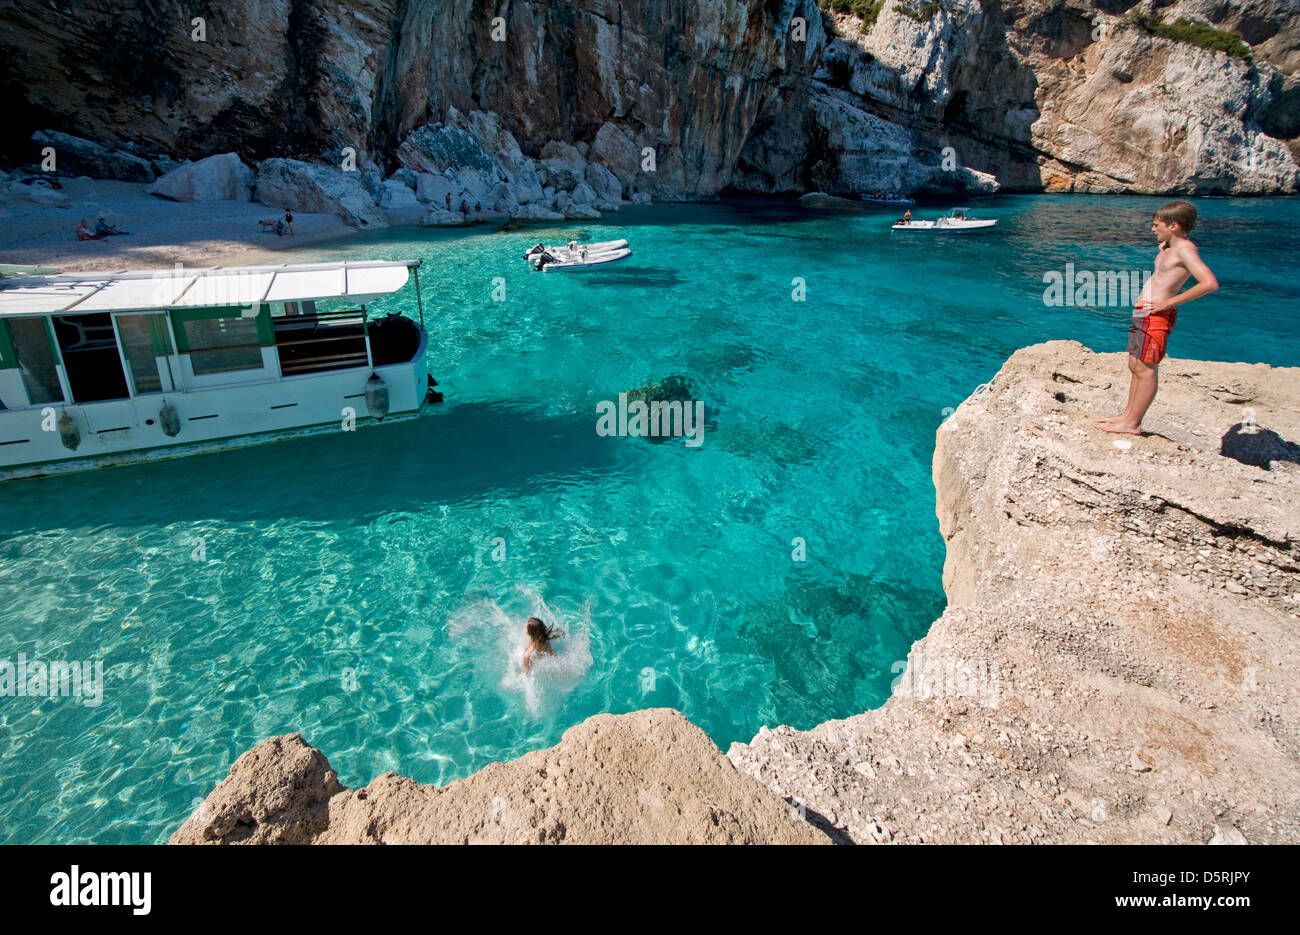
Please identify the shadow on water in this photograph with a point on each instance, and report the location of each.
(452, 456)
(658, 277)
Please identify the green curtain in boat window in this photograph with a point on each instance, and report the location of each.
(8, 359)
(160, 336)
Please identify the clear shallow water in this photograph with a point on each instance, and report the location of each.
(351, 589)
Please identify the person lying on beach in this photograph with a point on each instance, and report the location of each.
(539, 642)
(1177, 260)
(84, 232)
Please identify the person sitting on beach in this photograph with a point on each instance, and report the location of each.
(104, 229)
(288, 220)
(539, 642)
(1157, 309)
(84, 232)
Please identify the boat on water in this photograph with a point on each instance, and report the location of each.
(574, 255)
(954, 222)
(109, 368)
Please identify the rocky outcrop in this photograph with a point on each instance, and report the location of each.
(646, 778)
(73, 155)
(314, 189)
(1119, 660)
(217, 178)
(1066, 96)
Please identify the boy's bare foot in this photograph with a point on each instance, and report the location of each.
(1107, 420)
(1119, 428)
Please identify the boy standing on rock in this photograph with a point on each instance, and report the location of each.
(1156, 311)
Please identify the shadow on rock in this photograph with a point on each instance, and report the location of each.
(1257, 447)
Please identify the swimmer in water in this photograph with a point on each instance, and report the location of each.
(539, 642)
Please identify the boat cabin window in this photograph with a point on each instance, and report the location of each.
(219, 345)
(35, 357)
(91, 361)
(144, 339)
(300, 308)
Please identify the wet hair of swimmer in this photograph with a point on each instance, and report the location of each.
(538, 631)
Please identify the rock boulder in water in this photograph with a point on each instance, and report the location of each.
(651, 777)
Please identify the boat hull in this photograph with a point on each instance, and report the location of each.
(591, 261)
(930, 227)
(126, 431)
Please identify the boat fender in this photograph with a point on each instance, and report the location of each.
(377, 396)
(68, 432)
(170, 419)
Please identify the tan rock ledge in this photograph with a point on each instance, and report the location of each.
(1119, 661)
(651, 777)
(1120, 656)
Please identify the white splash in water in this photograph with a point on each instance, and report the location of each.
(495, 636)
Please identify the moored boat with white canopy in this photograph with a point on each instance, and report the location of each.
(106, 368)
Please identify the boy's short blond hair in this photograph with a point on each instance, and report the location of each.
(1182, 213)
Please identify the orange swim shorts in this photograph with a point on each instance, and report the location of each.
(1148, 335)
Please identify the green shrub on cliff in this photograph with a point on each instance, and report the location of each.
(1193, 32)
(865, 10)
(921, 13)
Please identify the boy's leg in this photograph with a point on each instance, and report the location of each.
(1141, 393)
(1132, 392)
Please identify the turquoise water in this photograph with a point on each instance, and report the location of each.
(351, 587)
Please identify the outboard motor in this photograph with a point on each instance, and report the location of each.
(377, 396)
(68, 432)
(170, 420)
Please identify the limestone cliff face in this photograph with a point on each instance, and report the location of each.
(286, 78)
(1068, 96)
(756, 94)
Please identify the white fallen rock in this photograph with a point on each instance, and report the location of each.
(604, 183)
(562, 165)
(534, 212)
(399, 204)
(583, 212)
(313, 189)
(441, 217)
(435, 189)
(223, 177)
(616, 151)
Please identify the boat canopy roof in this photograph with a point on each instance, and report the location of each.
(200, 288)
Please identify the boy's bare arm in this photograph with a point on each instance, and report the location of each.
(1206, 282)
